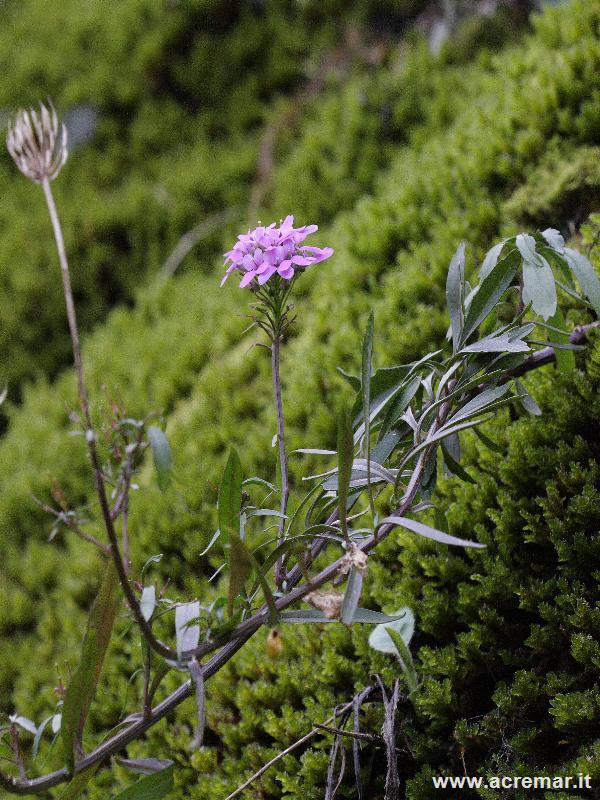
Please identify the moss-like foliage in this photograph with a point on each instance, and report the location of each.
(503, 639)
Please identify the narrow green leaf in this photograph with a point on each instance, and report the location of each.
(479, 403)
(405, 658)
(399, 406)
(345, 451)
(586, 276)
(230, 496)
(75, 787)
(361, 615)
(161, 453)
(455, 289)
(527, 401)
(491, 259)
(145, 766)
(82, 687)
(430, 533)
(264, 585)
(565, 359)
(490, 290)
(453, 464)
(489, 443)
(367, 365)
(151, 787)
(230, 508)
(351, 596)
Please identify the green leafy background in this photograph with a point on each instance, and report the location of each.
(398, 155)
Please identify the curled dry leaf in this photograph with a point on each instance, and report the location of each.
(330, 603)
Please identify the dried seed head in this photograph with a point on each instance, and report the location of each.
(330, 603)
(37, 142)
(355, 557)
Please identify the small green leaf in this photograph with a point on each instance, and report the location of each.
(345, 447)
(351, 596)
(161, 453)
(455, 290)
(82, 686)
(151, 787)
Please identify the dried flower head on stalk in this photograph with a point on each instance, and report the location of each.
(37, 142)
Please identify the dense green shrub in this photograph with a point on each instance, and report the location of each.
(487, 132)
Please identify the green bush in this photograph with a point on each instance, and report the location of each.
(484, 132)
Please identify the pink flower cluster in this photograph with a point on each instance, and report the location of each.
(263, 252)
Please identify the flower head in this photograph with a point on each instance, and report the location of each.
(37, 142)
(264, 252)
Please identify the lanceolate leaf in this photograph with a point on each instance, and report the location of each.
(230, 507)
(362, 615)
(161, 452)
(367, 362)
(479, 403)
(345, 446)
(490, 290)
(491, 259)
(539, 287)
(455, 287)
(404, 625)
(187, 635)
(151, 787)
(405, 659)
(430, 533)
(82, 687)
(399, 405)
(73, 790)
(565, 359)
(230, 496)
(351, 596)
(586, 275)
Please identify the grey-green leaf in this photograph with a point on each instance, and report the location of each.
(491, 259)
(490, 290)
(539, 287)
(351, 596)
(431, 533)
(404, 625)
(82, 687)
(586, 276)
(455, 288)
(151, 787)
(161, 453)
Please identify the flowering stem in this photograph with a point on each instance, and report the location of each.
(285, 489)
(90, 436)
